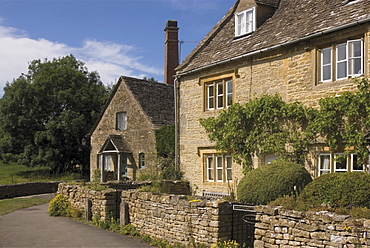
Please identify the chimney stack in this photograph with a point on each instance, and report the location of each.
(171, 51)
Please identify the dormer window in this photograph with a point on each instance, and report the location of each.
(245, 22)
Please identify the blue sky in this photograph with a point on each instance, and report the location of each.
(120, 37)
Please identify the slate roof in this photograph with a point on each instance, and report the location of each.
(294, 20)
(156, 99)
(119, 143)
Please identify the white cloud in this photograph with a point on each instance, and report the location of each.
(110, 59)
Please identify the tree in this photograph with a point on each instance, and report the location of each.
(264, 125)
(46, 113)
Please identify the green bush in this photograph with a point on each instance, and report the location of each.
(60, 206)
(269, 182)
(350, 189)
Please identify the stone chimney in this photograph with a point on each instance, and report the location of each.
(171, 51)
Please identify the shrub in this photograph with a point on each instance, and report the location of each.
(269, 182)
(60, 206)
(350, 189)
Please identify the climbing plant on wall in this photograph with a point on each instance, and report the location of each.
(263, 125)
(270, 125)
(345, 119)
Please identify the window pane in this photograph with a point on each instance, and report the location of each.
(326, 68)
(326, 56)
(355, 165)
(342, 61)
(209, 168)
(324, 164)
(342, 70)
(229, 168)
(340, 162)
(220, 94)
(141, 160)
(326, 73)
(210, 97)
(355, 57)
(341, 52)
(219, 167)
(355, 48)
(121, 119)
(229, 90)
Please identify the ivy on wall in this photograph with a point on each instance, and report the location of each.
(165, 141)
(270, 125)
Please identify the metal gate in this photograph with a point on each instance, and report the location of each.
(243, 221)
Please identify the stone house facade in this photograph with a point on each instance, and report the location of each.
(304, 50)
(123, 138)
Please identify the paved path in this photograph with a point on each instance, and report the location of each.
(33, 227)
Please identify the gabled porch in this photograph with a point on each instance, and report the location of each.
(113, 157)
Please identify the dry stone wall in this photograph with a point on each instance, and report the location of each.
(179, 219)
(24, 189)
(277, 228)
(92, 202)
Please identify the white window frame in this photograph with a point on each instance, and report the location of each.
(320, 170)
(243, 25)
(352, 57)
(353, 161)
(335, 163)
(346, 63)
(330, 50)
(229, 168)
(229, 92)
(219, 168)
(220, 95)
(141, 160)
(209, 169)
(341, 61)
(210, 98)
(217, 98)
(121, 121)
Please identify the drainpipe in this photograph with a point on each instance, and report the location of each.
(176, 85)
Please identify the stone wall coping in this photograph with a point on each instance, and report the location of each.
(170, 198)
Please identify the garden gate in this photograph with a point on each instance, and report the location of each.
(243, 221)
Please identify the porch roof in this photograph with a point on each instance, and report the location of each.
(116, 143)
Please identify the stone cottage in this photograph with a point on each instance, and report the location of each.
(123, 139)
(303, 49)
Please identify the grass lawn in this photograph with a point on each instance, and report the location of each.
(15, 173)
(11, 205)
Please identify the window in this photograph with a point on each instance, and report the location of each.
(339, 161)
(326, 58)
(121, 121)
(209, 170)
(219, 93)
(229, 168)
(218, 168)
(141, 160)
(347, 62)
(107, 162)
(245, 22)
(355, 165)
(324, 164)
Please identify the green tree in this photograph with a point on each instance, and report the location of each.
(263, 125)
(46, 113)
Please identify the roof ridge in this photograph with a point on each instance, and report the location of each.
(209, 36)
